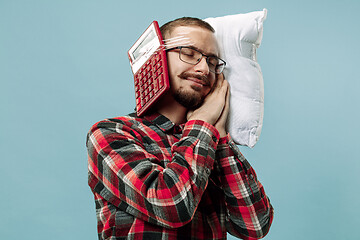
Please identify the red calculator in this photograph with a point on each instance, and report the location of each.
(149, 66)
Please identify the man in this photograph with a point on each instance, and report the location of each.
(175, 173)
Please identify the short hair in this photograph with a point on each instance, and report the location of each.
(184, 21)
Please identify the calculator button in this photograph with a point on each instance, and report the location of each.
(156, 88)
(161, 81)
(149, 80)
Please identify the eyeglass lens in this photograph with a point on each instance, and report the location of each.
(193, 56)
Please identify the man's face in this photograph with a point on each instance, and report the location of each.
(191, 83)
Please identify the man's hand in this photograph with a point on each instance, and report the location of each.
(215, 108)
(221, 122)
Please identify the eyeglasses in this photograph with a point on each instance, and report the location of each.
(193, 56)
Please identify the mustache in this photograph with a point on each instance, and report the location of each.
(203, 78)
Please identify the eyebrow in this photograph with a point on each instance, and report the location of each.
(200, 50)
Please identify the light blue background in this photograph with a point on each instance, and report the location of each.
(64, 66)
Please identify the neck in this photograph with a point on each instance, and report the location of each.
(171, 109)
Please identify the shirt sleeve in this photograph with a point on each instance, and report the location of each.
(132, 179)
(249, 212)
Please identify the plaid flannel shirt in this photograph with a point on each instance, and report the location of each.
(153, 179)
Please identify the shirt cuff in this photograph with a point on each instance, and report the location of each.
(224, 142)
(194, 127)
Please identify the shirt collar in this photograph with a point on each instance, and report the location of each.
(164, 123)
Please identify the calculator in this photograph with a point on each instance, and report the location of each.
(149, 66)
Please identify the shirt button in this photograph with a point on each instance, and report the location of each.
(251, 177)
(208, 171)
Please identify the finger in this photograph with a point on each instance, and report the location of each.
(225, 96)
(227, 102)
(220, 77)
(224, 88)
(219, 80)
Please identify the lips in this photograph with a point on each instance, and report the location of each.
(196, 78)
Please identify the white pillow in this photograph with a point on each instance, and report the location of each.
(238, 37)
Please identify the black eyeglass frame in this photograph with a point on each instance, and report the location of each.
(223, 64)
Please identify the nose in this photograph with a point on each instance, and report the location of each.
(202, 66)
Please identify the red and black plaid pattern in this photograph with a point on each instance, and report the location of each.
(153, 179)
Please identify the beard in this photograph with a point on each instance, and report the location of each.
(191, 99)
(187, 99)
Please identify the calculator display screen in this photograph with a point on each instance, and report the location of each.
(144, 47)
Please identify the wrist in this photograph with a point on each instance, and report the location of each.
(202, 118)
(222, 133)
